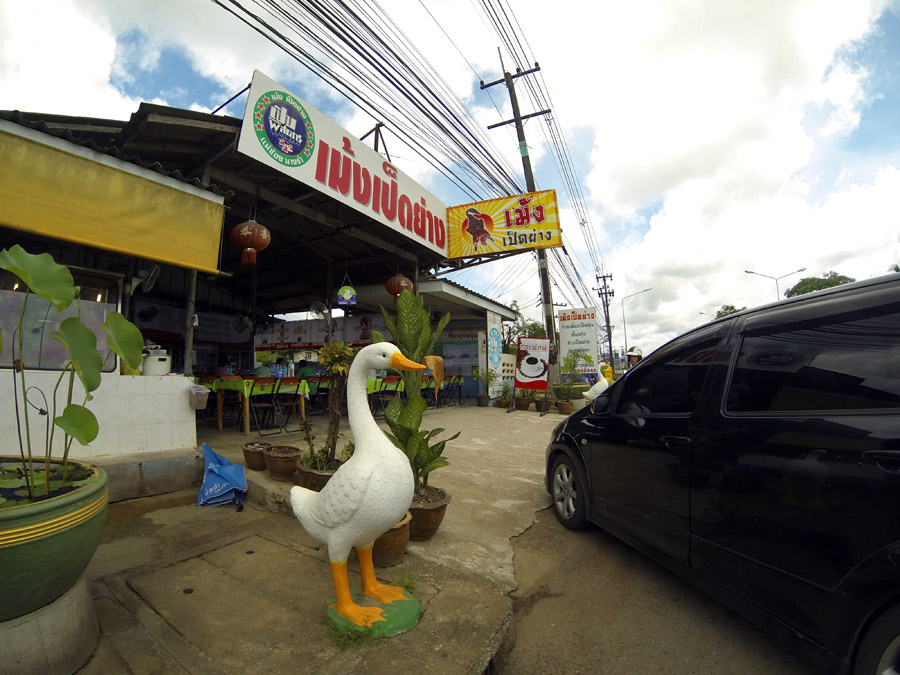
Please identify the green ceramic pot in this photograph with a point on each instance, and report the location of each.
(45, 546)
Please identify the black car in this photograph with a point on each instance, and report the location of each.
(758, 456)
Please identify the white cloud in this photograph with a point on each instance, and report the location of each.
(711, 132)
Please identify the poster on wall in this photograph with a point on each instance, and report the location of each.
(532, 359)
(578, 330)
(494, 350)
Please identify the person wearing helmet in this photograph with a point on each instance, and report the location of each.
(633, 355)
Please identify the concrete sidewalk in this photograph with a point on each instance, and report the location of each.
(181, 588)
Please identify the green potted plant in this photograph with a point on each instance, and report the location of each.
(52, 507)
(413, 334)
(488, 378)
(505, 394)
(318, 464)
(524, 397)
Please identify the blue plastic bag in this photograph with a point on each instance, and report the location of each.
(224, 483)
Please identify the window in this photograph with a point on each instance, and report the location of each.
(671, 384)
(99, 296)
(849, 364)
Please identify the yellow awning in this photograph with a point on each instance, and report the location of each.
(65, 191)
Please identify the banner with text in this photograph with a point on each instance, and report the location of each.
(578, 330)
(514, 223)
(284, 132)
(532, 358)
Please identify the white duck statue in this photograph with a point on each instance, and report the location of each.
(366, 496)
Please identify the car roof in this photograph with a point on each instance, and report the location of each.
(886, 281)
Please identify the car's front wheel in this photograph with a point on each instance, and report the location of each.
(569, 492)
(879, 652)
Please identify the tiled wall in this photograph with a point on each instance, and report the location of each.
(136, 415)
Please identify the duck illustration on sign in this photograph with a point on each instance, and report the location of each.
(477, 226)
(369, 494)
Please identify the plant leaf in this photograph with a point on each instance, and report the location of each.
(42, 274)
(81, 344)
(79, 423)
(124, 338)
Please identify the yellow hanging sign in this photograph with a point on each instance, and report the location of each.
(514, 223)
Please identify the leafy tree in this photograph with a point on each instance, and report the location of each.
(728, 309)
(521, 327)
(894, 268)
(810, 284)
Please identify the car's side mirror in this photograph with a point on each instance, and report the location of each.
(600, 405)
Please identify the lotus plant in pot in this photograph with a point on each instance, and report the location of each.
(52, 507)
(413, 334)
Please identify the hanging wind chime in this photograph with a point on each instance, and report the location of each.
(346, 293)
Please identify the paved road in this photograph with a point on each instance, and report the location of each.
(587, 603)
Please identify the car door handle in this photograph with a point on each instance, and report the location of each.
(887, 460)
(679, 441)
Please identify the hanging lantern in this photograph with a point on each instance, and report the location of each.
(396, 284)
(248, 238)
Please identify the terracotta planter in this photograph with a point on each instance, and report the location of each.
(502, 403)
(566, 407)
(281, 461)
(390, 547)
(522, 403)
(427, 518)
(484, 400)
(45, 546)
(254, 457)
(311, 479)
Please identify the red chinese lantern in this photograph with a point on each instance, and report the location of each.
(248, 238)
(396, 284)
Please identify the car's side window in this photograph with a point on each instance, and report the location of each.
(671, 384)
(850, 363)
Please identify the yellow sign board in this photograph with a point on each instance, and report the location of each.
(512, 223)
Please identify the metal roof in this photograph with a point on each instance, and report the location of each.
(316, 240)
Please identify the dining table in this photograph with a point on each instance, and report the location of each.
(243, 386)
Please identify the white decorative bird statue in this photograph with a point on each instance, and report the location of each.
(366, 496)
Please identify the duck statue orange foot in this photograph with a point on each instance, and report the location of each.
(366, 496)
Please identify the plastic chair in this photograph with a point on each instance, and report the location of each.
(288, 398)
(427, 391)
(390, 387)
(264, 404)
(322, 393)
(231, 400)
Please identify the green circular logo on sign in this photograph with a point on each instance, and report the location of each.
(283, 128)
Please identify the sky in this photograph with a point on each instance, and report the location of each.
(708, 138)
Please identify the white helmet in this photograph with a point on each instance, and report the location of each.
(635, 351)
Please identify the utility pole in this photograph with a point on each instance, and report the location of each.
(605, 294)
(543, 270)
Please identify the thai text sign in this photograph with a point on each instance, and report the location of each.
(286, 133)
(578, 330)
(532, 358)
(512, 223)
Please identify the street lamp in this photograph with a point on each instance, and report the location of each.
(624, 331)
(775, 279)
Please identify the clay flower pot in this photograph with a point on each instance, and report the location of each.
(311, 479)
(566, 407)
(390, 547)
(523, 403)
(281, 461)
(427, 517)
(253, 455)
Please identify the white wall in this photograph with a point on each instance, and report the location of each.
(141, 414)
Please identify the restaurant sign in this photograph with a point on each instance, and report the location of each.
(284, 132)
(514, 223)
